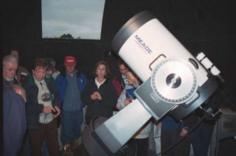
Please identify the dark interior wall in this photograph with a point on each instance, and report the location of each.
(201, 25)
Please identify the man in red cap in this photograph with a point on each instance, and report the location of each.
(70, 62)
(70, 85)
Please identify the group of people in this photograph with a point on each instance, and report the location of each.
(48, 109)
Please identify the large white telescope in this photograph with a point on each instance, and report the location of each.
(174, 81)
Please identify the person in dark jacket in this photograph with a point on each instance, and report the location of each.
(14, 120)
(99, 94)
(70, 85)
(42, 109)
(171, 132)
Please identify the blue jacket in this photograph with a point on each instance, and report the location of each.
(14, 121)
(168, 123)
(61, 83)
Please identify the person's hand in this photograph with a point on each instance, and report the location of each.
(127, 101)
(57, 110)
(98, 95)
(159, 125)
(183, 132)
(93, 96)
(48, 109)
(20, 91)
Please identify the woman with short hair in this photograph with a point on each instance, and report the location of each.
(99, 94)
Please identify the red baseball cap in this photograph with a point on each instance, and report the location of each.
(69, 60)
